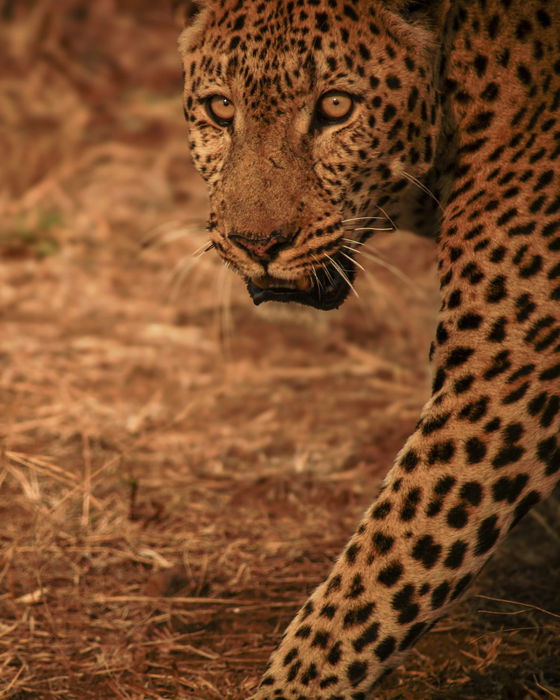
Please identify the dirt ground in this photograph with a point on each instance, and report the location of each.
(178, 468)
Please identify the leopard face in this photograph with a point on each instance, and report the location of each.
(302, 123)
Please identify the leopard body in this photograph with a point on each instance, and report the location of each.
(453, 128)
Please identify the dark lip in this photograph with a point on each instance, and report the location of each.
(327, 292)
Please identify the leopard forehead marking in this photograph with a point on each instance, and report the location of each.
(455, 131)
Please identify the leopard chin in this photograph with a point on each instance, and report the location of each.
(326, 288)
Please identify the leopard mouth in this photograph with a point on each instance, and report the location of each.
(326, 288)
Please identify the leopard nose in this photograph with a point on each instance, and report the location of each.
(263, 250)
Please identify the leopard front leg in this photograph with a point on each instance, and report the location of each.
(484, 452)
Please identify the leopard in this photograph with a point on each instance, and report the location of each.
(316, 122)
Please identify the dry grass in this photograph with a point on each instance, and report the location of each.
(177, 469)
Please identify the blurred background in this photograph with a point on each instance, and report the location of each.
(178, 468)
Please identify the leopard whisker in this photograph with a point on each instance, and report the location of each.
(167, 233)
(204, 248)
(387, 217)
(224, 283)
(342, 273)
(362, 218)
(183, 268)
(315, 275)
(421, 186)
(353, 240)
(325, 268)
(368, 273)
(369, 255)
(371, 228)
(351, 259)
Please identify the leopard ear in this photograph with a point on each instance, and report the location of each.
(416, 22)
(193, 18)
(409, 6)
(413, 9)
(187, 10)
(419, 20)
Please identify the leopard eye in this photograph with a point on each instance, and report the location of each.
(335, 107)
(220, 109)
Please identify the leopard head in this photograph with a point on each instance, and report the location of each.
(303, 118)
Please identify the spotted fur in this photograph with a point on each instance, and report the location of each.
(464, 98)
